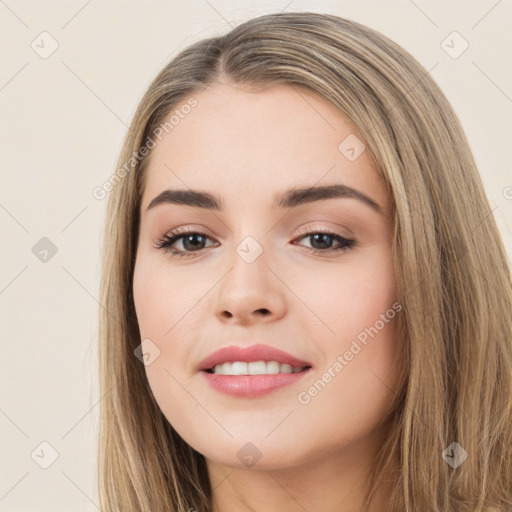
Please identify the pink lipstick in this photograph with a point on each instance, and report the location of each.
(252, 371)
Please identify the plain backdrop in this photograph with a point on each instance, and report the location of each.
(63, 117)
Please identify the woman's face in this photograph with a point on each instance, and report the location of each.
(251, 277)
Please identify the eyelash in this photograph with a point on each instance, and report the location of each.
(167, 240)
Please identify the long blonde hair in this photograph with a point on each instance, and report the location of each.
(454, 282)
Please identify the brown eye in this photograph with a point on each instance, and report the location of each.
(322, 242)
(192, 241)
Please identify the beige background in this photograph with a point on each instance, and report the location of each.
(62, 122)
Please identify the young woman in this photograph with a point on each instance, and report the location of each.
(307, 300)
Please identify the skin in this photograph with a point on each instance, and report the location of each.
(246, 146)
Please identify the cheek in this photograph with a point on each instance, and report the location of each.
(165, 314)
(352, 297)
(353, 390)
(358, 341)
(169, 310)
(162, 296)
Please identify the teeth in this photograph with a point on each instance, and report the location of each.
(255, 368)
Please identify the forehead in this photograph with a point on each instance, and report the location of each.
(244, 143)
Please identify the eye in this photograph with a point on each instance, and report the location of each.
(322, 241)
(194, 241)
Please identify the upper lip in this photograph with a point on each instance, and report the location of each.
(251, 353)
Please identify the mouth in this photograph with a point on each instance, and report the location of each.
(252, 371)
(248, 380)
(237, 368)
(255, 359)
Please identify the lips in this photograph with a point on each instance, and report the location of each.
(250, 354)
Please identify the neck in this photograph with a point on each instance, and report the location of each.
(331, 482)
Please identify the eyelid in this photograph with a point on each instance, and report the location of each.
(304, 229)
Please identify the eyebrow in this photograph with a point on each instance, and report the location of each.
(289, 199)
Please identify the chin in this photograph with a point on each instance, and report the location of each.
(255, 455)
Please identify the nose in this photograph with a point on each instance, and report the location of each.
(250, 292)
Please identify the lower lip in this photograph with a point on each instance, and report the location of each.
(250, 386)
